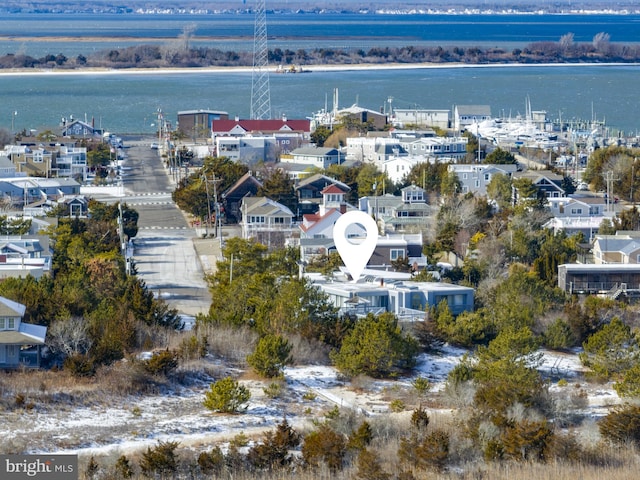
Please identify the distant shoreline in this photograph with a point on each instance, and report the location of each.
(307, 69)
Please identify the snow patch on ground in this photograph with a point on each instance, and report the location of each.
(310, 392)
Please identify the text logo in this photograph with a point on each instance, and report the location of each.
(49, 467)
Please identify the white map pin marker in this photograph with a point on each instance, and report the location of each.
(354, 250)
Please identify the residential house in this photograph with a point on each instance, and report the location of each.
(466, 115)
(316, 229)
(621, 248)
(577, 214)
(476, 177)
(363, 115)
(240, 128)
(36, 192)
(374, 149)
(20, 342)
(404, 213)
(265, 220)
(422, 117)
(48, 161)
(601, 279)
(245, 186)
(7, 168)
(35, 161)
(391, 248)
(397, 168)
(71, 162)
(548, 184)
(74, 206)
(78, 128)
(23, 256)
(442, 149)
(309, 191)
(247, 149)
(312, 156)
(379, 291)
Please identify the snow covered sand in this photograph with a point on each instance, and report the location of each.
(310, 392)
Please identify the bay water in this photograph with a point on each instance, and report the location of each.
(129, 102)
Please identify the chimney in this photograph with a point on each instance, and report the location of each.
(343, 208)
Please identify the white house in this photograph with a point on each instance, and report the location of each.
(465, 115)
(378, 292)
(311, 156)
(423, 117)
(443, 149)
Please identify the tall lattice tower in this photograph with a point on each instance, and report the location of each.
(260, 92)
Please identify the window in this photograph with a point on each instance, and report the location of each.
(396, 253)
(7, 323)
(576, 211)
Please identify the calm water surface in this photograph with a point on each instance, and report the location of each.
(128, 103)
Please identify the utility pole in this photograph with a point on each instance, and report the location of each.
(206, 187)
(609, 180)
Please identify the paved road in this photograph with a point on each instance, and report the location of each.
(164, 250)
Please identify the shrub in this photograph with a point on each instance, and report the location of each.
(558, 335)
(270, 356)
(324, 445)
(274, 390)
(613, 349)
(430, 451)
(622, 424)
(527, 440)
(273, 451)
(376, 347)
(360, 438)
(226, 396)
(369, 467)
(92, 468)
(629, 385)
(79, 366)
(123, 468)
(421, 386)
(193, 347)
(161, 363)
(397, 405)
(160, 460)
(420, 419)
(211, 462)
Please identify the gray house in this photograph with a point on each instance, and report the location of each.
(20, 342)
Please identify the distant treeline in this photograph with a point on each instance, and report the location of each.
(180, 55)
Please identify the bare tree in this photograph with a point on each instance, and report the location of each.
(566, 41)
(69, 337)
(602, 42)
